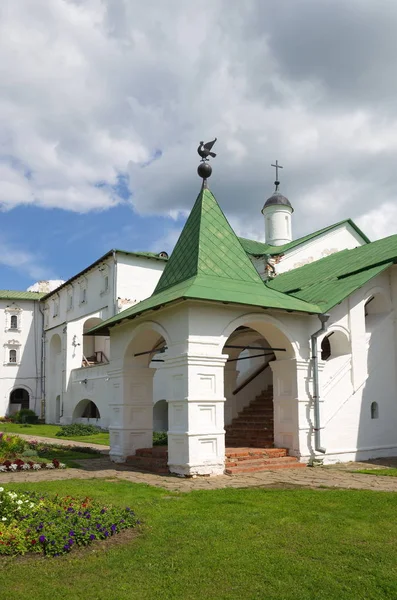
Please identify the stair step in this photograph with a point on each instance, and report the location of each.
(250, 453)
(259, 462)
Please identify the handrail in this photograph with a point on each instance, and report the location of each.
(253, 376)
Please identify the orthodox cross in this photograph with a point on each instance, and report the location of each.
(277, 167)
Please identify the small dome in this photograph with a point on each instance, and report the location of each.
(277, 199)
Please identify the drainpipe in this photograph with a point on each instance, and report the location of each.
(114, 282)
(316, 387)
(42, 366)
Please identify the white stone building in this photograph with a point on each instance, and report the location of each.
(285, 346)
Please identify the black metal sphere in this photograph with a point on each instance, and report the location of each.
(204, 170)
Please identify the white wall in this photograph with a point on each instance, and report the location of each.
(340, 238)
(136, 278)
(26, 340)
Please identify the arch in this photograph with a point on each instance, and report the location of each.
(377, 300)
(160, 416)
(145, 338)
(96, 349)
(19, 397)
(273, 330)
(55, 344)
(86, 409)
(335, 343)
(146, 326)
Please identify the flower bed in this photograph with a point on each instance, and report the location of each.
(53, 525)
(10, 466)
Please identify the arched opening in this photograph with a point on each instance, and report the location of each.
(19, 399)
(14, 322)
(256, 352)
(160, 416)
(96, 348)
(143, 355)
(334, 345)
(375, 309)
(86, 409)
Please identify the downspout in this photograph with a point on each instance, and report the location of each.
(114, 283)
(42, 367)
(316, 387)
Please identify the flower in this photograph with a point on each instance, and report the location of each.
(42, 539)
(92, 537)
(1, 489)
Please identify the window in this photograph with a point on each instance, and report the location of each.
(325, 348)
(374, 410)
(83, 294)
(14, 322)
(106, 283)
(12, 358)
(55, 308)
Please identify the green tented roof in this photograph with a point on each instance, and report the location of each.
(328, 281)
(255, 248)
(209, 263)
(16, 295)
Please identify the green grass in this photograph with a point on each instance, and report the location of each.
(293, 544)
(50, 431)
(388, 472)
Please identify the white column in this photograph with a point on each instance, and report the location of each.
(285, 403)
(230, 383)
(131, 411)
(195, 396)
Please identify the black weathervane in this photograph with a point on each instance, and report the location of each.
(204, 169)
(277, 167)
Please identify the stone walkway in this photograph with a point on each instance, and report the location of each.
(338, 476)
(318, 477)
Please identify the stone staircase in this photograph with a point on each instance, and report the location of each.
(254, 425)
(153, 459)
(254, 460)
(249, 444)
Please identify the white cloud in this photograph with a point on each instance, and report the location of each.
(93, 89)
(24, 261)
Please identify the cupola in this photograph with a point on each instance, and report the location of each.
(277, 211)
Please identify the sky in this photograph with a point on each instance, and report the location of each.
(103, 104)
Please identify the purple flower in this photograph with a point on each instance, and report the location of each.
(70, 509)
(103, 511)
(71, 533)
(66, 547)
(71, 541)
(113, 527)
(92, 537)
(88, 516)
(42, 539)
(106, 533)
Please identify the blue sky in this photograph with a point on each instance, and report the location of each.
(103, 104)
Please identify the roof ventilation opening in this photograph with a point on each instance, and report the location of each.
(162, 254)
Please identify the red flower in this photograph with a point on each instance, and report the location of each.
(34, 542)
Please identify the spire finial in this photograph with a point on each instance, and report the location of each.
(277, 166)
(204, 169)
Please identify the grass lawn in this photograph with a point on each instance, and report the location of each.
(291, 544)
(51, 430)
(388, 472)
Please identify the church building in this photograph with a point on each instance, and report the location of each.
(251, 355)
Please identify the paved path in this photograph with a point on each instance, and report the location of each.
(103, 468)
(339, 476)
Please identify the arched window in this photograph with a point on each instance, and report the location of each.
(326, 348)
(374, 410)
(14, 322)
(12, 356)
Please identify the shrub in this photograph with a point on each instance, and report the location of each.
(11, 445)
(160, 438)
(78, 429)
(25, 415)
(52, 525)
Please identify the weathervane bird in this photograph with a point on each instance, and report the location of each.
(204, 150)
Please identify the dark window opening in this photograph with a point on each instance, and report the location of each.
(374, 410)
(325, 348)
(14, 322)
(91, 411)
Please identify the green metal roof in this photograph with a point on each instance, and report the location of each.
(16, 295)
(328, 281)
(255, 248)
(209, 263)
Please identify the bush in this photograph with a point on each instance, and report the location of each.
(78, 429)
(51, 525)
(160, 438)
(11, 446)
(25, 415)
